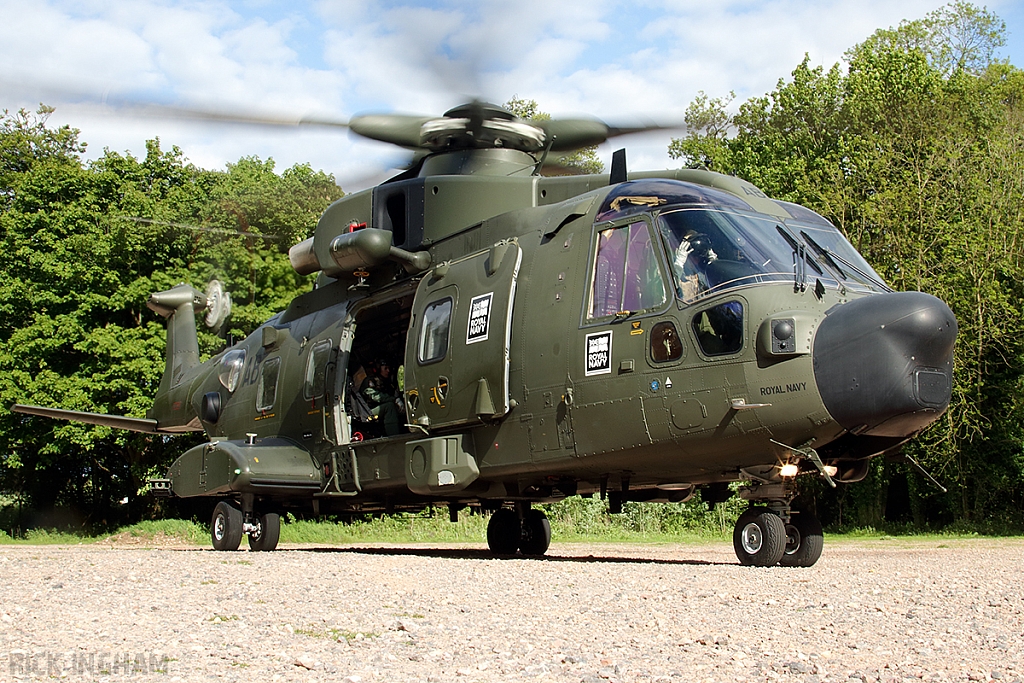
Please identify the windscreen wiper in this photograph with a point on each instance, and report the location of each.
(797, 247)
(835, 255)
(823, 253)
(799, 260)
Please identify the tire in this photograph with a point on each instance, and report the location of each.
(536, 533)
(504, 532)
(759, 538)
(804, 541)
(266, 536)
(226, 526)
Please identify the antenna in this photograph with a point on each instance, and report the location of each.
(618, 174)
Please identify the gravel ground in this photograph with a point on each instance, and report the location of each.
(870, 611)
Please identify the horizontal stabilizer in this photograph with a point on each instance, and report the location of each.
(135, 424)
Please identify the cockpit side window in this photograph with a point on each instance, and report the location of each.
(665, 342)
(626, 277)
(719, 329)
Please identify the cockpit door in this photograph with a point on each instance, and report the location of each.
(457, 351)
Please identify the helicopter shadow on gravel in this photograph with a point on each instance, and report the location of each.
(482, 554)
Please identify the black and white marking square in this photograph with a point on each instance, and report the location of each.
(599, 353)
(479, 318)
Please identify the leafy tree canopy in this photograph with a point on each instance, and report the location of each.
(82, 246)
(916, 151)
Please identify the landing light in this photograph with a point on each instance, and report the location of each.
(831, 470)
(789, 470)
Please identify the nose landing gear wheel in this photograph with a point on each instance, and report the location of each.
(267, 532)
(759, 538)
(226, 526)
(504, 532)
(804, 541)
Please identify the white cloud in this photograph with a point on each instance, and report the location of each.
(39, 42)
(611, 58)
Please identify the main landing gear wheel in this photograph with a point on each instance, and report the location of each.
(759, 538)
(226, 526)
(266, 533)
(536, 534)
(804, 541)
(504, 532)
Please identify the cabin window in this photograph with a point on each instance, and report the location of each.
(437, 319)
(231, 365)
(626, 273)
(266, 393)
(719, 329)
(316, 370)
(665, 342)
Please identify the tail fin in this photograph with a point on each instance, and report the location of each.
(179, 305)
(168, 414)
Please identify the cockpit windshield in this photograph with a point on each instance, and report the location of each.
(714, 240)
(711, 249)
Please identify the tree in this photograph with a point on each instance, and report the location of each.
(708, 122)
(26, 141)
(81, 248)
(915, 151)
(582, 161)
(959, 37)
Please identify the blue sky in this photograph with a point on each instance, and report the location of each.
(616, 60)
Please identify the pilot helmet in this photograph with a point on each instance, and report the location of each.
(700, 245)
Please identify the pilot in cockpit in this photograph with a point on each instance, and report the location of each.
(693, 255)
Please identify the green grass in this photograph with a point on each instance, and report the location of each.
(181, 530)
(46, 537)
(424, 527)
(335, 633)
(153, 532)
(574, 520)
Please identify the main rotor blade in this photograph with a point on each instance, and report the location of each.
(82, 100)
(164, 111)
(647, 127)
(566, 135)
(404, 130)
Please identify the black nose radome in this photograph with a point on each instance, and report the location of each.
(884, 363)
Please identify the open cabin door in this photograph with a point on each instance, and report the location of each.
(457, 351)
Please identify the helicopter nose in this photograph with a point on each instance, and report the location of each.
(883, 364)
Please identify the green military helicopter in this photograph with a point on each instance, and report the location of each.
(637, 335)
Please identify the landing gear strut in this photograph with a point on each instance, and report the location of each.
(526, 530)
(771, 533)
(762, 539)
(265, 532)
(229, 523)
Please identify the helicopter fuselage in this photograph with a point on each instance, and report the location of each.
(483, 336)
(563, 348)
